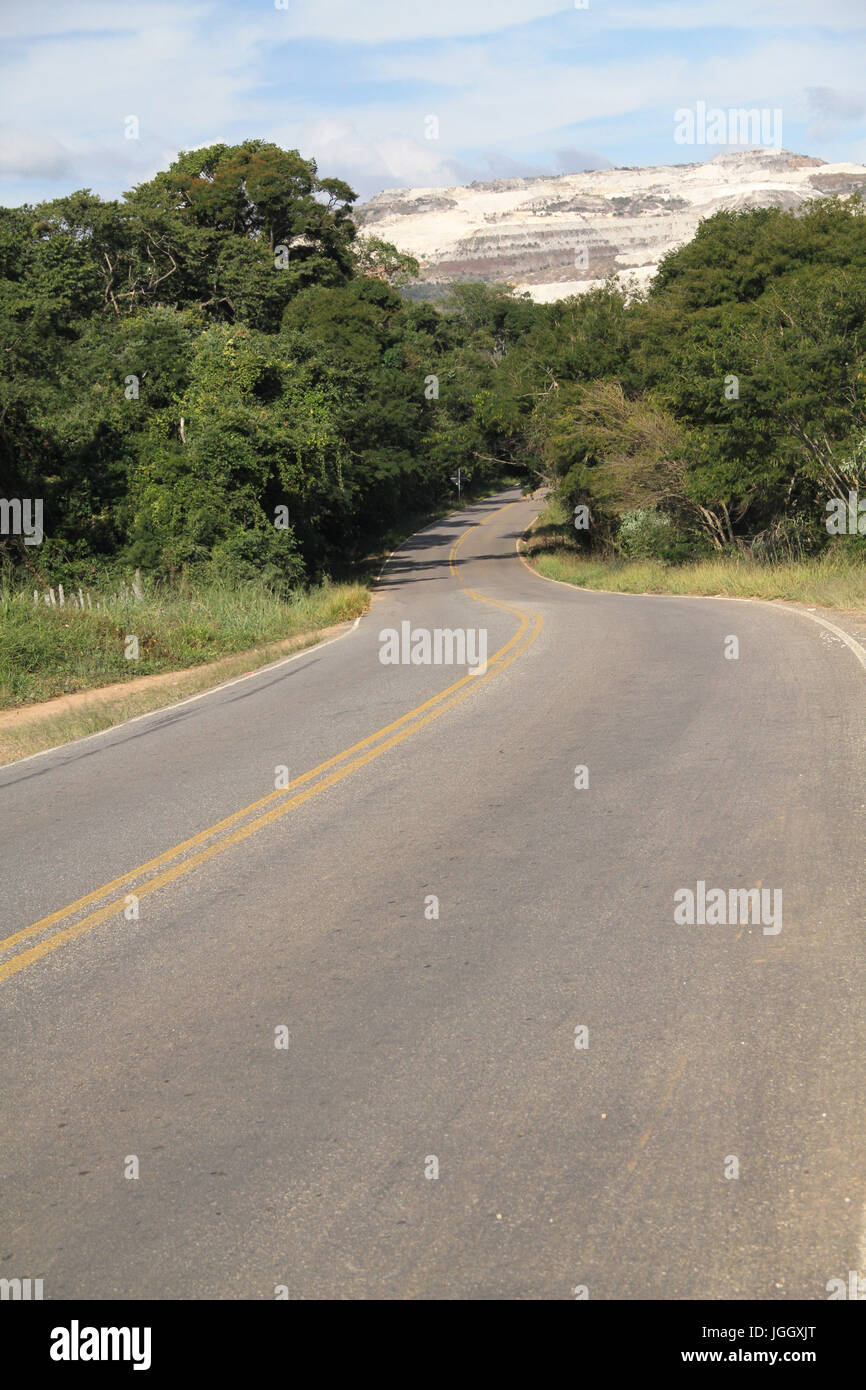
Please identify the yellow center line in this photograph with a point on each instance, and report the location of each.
(383, 739)
(279, 795)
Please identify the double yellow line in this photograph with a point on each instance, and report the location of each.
(234, 829)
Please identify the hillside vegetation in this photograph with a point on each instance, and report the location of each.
(215, 381)
(724, 411)
(212, 376)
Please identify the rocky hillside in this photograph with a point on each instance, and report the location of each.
(557, 236)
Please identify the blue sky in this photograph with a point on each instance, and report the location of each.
(516, 86)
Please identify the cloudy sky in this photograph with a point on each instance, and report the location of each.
(516, 86)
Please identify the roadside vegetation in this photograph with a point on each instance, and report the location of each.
(835, 578)
(49, 651)
(217, 383)
(827, 583)
(710, 436)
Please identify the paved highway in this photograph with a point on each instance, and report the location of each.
(221, 965)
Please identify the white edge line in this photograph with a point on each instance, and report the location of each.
(188, 700)
(850, 642)
(224, 685)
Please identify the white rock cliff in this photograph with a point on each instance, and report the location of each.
(561, 235)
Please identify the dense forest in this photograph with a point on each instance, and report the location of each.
(216, 374)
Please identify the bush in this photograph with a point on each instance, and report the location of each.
(646, 534)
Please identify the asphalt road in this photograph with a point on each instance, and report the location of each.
(409, 1038)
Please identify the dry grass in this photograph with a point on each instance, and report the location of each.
(828, 581)
(46, 652)
(71, 655)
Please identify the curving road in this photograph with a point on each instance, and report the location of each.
(301, 914)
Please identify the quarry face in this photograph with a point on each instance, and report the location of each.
(561, 235)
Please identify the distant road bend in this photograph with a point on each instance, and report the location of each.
(221, 957)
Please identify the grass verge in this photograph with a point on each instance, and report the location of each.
(826, 581)
(46, 652)
(63, 673)
(831, 580)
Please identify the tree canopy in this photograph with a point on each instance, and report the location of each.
(217, 370)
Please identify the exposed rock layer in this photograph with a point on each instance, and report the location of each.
(557, 236)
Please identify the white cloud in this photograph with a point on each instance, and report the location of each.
(399, 20)
(25, 154)
(379, 21)
(21, 19)
(180, 71)
(843, 106)
(399, 161)
(832, 16)
(70, 75)
(392, 161)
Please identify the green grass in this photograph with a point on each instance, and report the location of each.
(828, 581)
(45, 652)
(831, 580)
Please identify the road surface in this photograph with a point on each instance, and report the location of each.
(303, 916)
